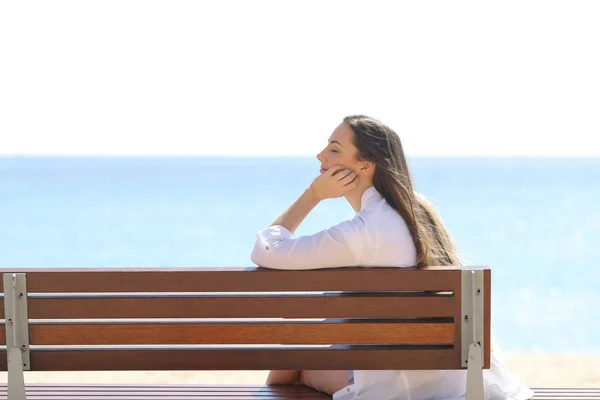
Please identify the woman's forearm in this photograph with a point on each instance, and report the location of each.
(295, 214)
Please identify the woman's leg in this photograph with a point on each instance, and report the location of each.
(324, 381)
(283, 377)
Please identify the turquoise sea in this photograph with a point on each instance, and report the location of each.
(535, 222)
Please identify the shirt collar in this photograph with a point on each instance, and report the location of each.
(369, 197)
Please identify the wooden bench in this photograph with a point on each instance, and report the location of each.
(238, 319)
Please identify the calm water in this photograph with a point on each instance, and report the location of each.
(536, 222)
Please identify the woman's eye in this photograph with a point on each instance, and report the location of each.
(334, 151)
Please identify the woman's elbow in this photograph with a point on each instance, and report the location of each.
(260, 257)
(256, 256)
(266, 259)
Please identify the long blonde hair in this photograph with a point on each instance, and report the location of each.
(378, 143)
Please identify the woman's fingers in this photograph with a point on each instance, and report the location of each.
(349, 176)
(334, 170)
(349, 179)
(345, 174)
(336, 182)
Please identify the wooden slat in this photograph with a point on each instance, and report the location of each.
(157, 392)
(192, 396)
(218, 395)
(566, 396)
(384, 357)
(288, 392)
(147, 392)
(242, 333)
(334, 306)
(221, 396)
(566, 393)
(235, 280)
(101, 396)
(164, 388)
(567, 389)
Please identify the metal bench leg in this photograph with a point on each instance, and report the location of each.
(17, 333)
(16, 380)
(475, 373)
(472, 331)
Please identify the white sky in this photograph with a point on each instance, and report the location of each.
(276, 77)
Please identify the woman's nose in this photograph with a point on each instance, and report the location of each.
(319, 157)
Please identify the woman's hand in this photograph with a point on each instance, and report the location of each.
(335, 182)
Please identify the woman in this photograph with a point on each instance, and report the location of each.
(394, 227)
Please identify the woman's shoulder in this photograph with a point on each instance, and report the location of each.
(379, 216)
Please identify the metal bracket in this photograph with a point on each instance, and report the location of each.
(17, 333)
(472, 311)
(472, 305)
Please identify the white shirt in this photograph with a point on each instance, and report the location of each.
(377, 237)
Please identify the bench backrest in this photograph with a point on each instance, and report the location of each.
(244, 319)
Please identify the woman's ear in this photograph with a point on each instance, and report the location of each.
(367, 167)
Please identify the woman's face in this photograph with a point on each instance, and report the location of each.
(340, 150)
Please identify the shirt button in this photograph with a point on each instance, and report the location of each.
(267, 248)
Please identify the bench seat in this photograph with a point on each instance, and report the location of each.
(164, 392)
(567, 393)
(229, 392)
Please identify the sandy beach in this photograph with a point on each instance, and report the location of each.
(533, 369)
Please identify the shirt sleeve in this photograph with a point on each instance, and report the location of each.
(338, 246)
